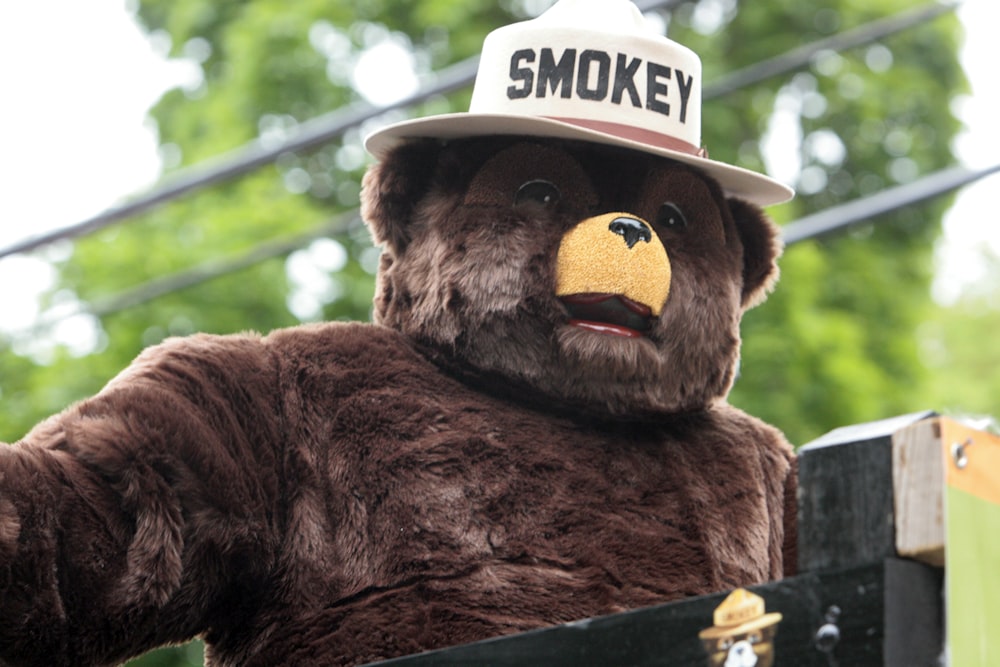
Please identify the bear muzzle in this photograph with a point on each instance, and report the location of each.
(613, 274)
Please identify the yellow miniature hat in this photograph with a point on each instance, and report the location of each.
(739, 613)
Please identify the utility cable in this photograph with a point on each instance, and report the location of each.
(802, 56)
(837, 218)
(818, 225)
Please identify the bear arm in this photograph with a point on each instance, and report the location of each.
(779, 467)
(126, 518)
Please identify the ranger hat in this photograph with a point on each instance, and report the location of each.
(591, 70)
(741, 612)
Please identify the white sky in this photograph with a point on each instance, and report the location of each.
(78, 78)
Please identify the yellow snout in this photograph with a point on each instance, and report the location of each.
(614, 253)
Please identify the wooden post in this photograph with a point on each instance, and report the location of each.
(845, 495)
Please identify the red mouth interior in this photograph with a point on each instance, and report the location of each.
(608, 313)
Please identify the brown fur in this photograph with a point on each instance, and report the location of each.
(504, 319)
(341, 493)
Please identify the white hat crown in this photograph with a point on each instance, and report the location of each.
(594, 63)
(590, 70)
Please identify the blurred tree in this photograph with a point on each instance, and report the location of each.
(836, 343)
(958, 343)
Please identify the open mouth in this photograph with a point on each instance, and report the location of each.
(608, 313)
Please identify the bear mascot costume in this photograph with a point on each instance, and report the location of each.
(533, 431)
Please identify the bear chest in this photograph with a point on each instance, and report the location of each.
(477, 497)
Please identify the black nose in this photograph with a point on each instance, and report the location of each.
(631, 230)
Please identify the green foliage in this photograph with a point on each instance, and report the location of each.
(836, 344)
(959, 346)
(191, 654)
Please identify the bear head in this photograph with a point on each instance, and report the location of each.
(589, 277)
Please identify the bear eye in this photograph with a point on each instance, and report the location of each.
(537, 192)
(670, 217)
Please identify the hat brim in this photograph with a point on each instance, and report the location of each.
(715, 632)
(735, 181)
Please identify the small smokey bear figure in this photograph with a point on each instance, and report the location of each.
(743, 635)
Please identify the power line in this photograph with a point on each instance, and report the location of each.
(838, 218)
(801, 56)
(824, 223)
(208, 271)
(196, 275)
(307, 135)
(328, 127)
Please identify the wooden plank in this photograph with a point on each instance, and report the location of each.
(980, 454)
(914, 614)
(887, 614)
(918, 491)
(668, 634)
(845, 503)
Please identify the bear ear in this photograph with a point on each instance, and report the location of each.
(762, 246)
(391, 189)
